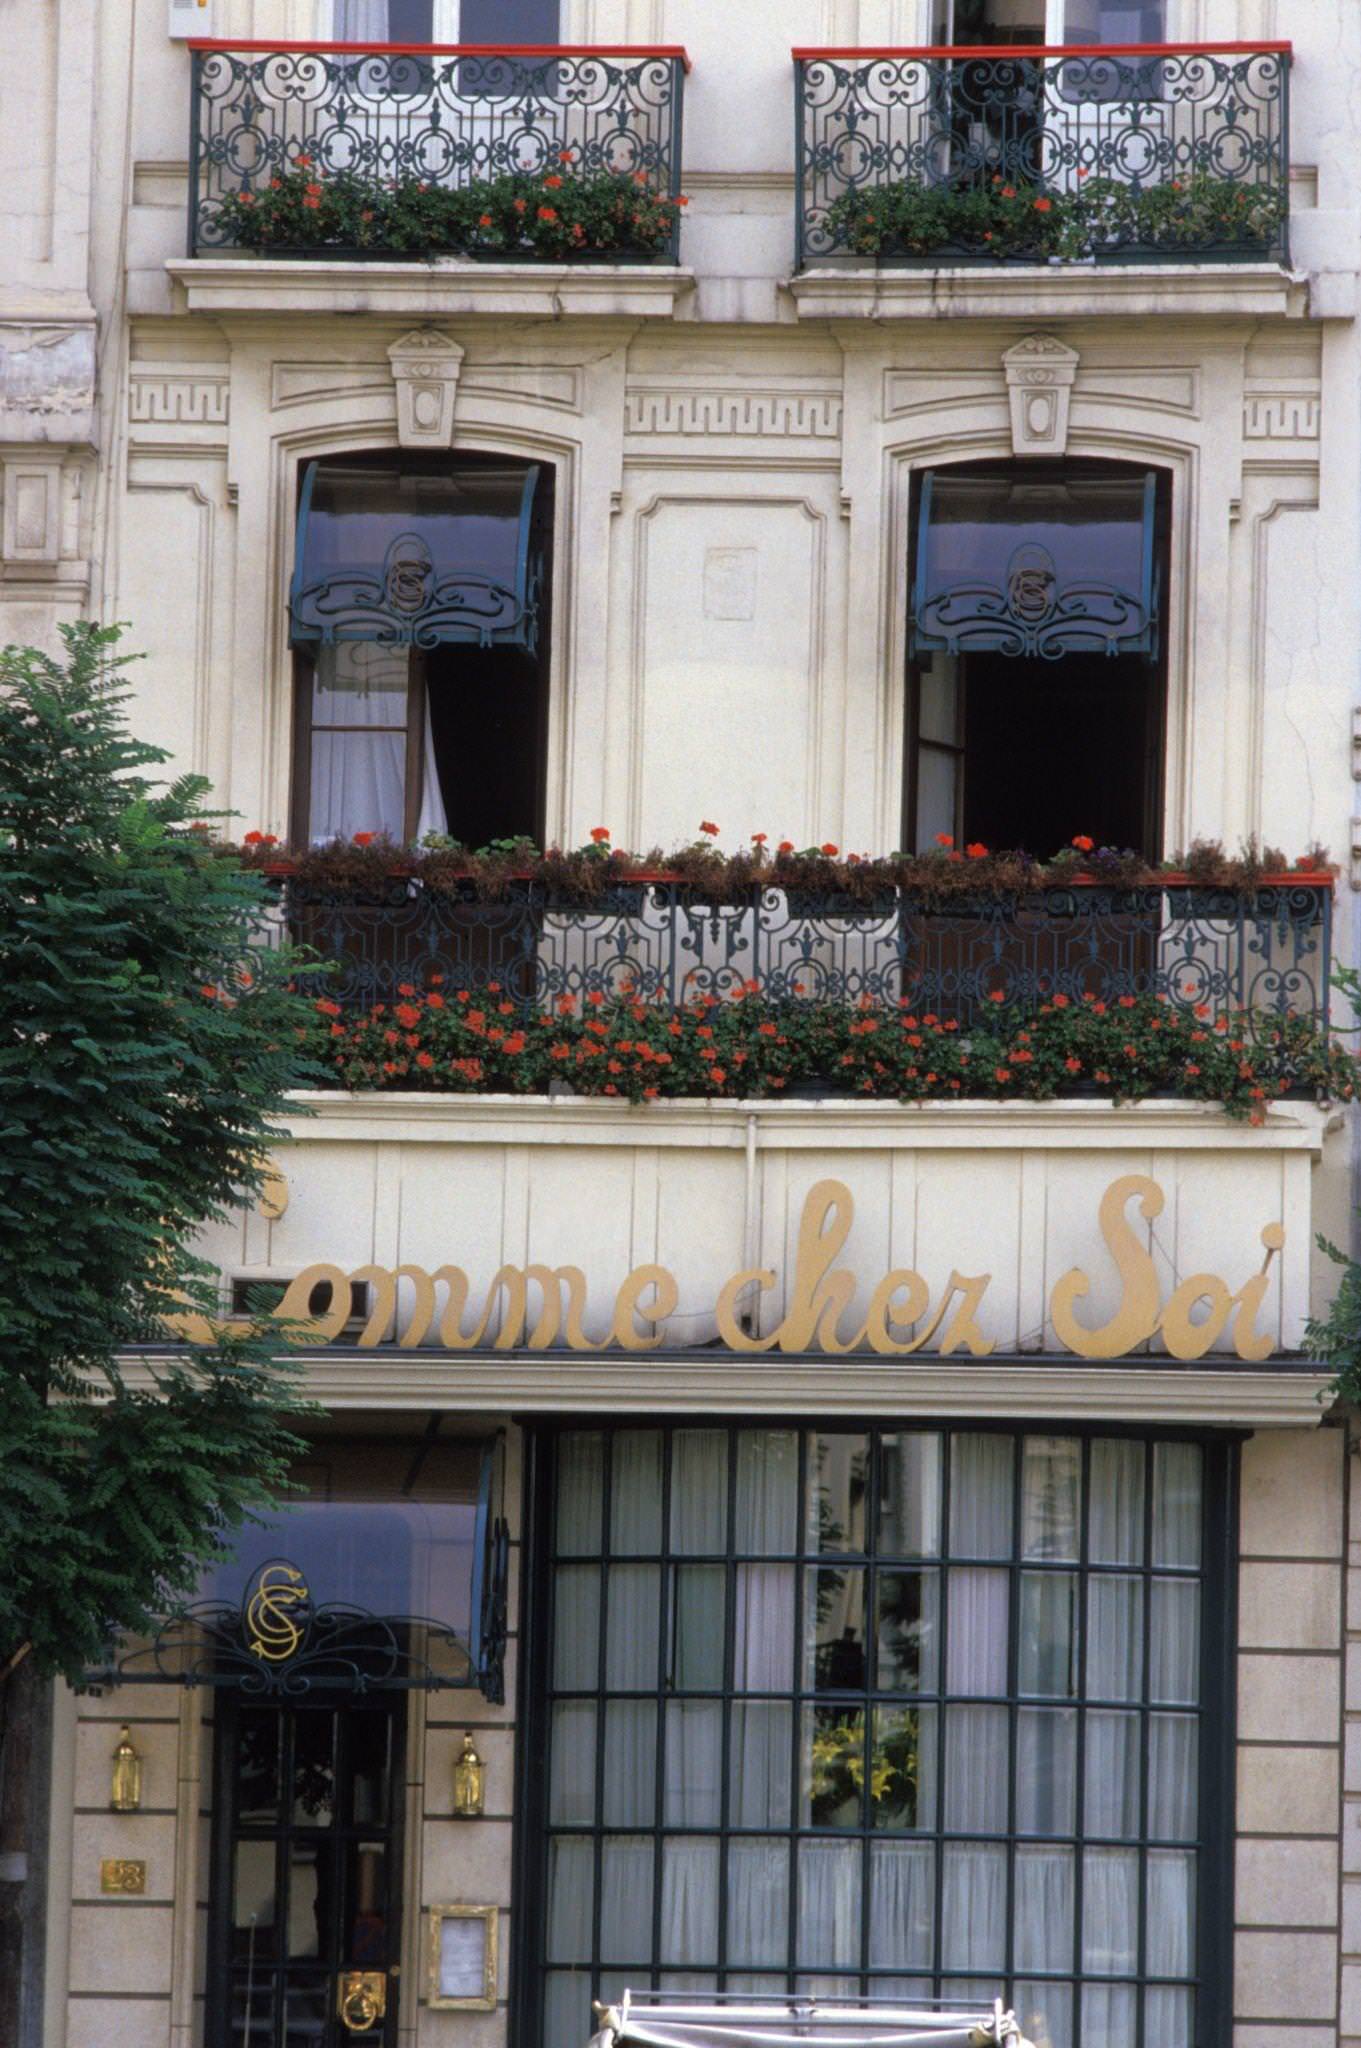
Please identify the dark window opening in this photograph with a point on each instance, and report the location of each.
(1036, 700)
(420, 605)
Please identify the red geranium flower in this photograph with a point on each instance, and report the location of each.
(829, 849)
(706, 825)
(547, 213)
(600, 834)
(758, 838)
(552, 182)
(365, 838)
(252, 839)
(978, 851)
(785, 846)
(945, 838)
(1084, 843)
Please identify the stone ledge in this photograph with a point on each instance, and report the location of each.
(1055, 291)
(268, 288)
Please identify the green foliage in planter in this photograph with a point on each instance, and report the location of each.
(564, 213)
(1130, 1047)
(148, 1042)
(999, 218)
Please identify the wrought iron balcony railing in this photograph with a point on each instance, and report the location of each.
(372, 151)
(1263, 949)
(1173, 152)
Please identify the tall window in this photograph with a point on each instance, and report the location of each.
(419, 614)
(907, 1712)
(445, 21)
(1035, 682)
(999, 23)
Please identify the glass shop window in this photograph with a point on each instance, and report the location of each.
(903, 1712)
(1036, 685)
(419, 616)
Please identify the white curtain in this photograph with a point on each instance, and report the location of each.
(767, 1508)
(626, 1899)
(571, 1798)
(909, 1495)
(694, 1763)
(1110, 1911)
(629, 1795)
(571, 1891)
(1176, 1504)
(358, 776)
(699, 1491)
(765, 1522)
(581, 1482)
(1115, 1530)
(631, 1633)
(576, 1628)
(759, 1763)
(973, 1905)
(980, 1496)
(689, 1926)
(1051, 1468)
(829, 1905)
(1046, 1770)
(1043, 1932)
(902, 1904)
(758, 1900)
(636, 1491)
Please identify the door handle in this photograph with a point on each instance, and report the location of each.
(361, 1999)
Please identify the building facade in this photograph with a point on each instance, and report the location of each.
(873, 1547)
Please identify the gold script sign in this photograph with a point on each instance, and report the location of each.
(122, 1874)
(902, 1317)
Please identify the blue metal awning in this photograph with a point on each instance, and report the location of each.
(412, 554)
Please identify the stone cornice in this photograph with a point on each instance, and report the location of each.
(1063, 1126)
(1053, 291)
(444, 289)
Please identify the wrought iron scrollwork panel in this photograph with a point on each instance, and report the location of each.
(1204, 130)
(442, 118)
(1267, 950)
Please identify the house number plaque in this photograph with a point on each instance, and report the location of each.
(122, 1875)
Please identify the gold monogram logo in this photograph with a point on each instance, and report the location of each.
(276, 1613)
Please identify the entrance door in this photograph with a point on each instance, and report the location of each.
(306, 1892)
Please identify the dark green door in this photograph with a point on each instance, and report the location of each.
(306, 1890)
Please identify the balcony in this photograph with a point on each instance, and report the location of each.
(517, 156)
(1175, 154)
(1214, 951)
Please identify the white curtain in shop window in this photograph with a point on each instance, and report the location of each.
(689, 1926)
(902, 1904)
(829, 1905)
(766, 1521)
(626, 1899)
(758, 1901)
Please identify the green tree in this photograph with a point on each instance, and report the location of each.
(147, 1041)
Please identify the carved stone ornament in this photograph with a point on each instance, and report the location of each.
(425, 367)
(1040, 372)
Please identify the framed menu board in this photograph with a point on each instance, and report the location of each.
(461, 1966)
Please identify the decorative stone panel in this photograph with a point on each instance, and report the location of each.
(1040, 372)
(425, 367)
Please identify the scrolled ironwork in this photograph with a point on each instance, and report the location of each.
(444, 117)
(1266, 949)
(1184, 151)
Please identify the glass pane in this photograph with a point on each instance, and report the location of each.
(466, 518)
(1108, 2016)
(838, 1470)
(834, 1767)
(369, 1740)
(566, 2006)
(909, 1494)
(759, 1764)
(1044, 1908)
(1050, 1475)
(834, 1629)
(626, 1899)
(1115, 1638)
(694, 1763)
(1046, 1771)
(357, 784)
(1048, 1645)
(976, 1660)
(905, 1645)
(576, 1627)
(359, 682)
(1114, 21)
(980, 1496)
(571, 1777)
(571, 1892)
(766, 1516)
(309, 1872)
(976, 1769)
(308, 2004)
(630, 1764)
(1171, 1909)
(973, 1907)
(635, 1492)
(1111, 1782)
(1045, 2013)
(938, 702)
(1169, 2016)
(763, 1628)
(689, 1930)
(758, 1901)
(1176, 1504)
(1174, 1649)
(259, 1732)
(1110, 1912)
(937, 795)
(829, 1905)
(697, 1627)
(253, 1904)
(902, 1904)
(581, 1487)
(903, 1768)
(1173, 1748)
(699, 1490)
(314, 1776)
(1115, 1530)
(366, 1934)
(633, 1600)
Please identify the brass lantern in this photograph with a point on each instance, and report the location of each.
(470, 1778)
(125, 1791)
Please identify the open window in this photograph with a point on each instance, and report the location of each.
(419, 615)
(1036, 676)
